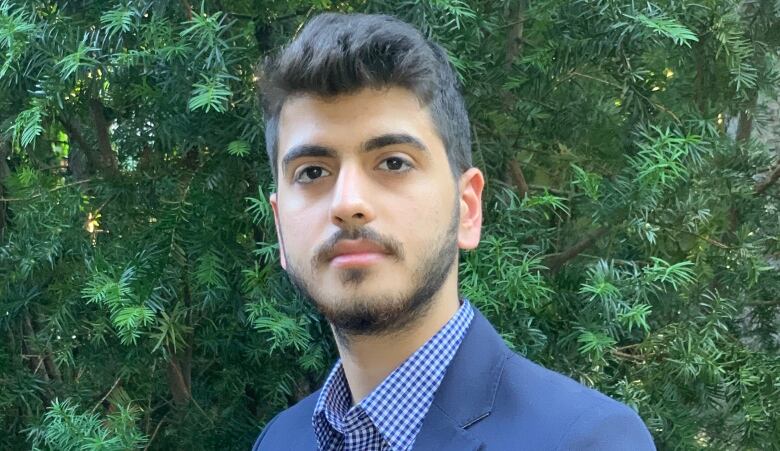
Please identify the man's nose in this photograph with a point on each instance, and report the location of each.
(350, 207)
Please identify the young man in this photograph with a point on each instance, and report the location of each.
(369, 141)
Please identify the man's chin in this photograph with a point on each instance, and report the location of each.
(357, 301)
(368, 314)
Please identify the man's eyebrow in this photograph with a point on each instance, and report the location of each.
(376, 143)
(391, 139)
(306, 150)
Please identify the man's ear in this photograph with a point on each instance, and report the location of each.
(470, 185)
(275, 207)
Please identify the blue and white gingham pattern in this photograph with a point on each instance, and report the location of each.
(390, 417)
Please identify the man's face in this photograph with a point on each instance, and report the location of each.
(368, 214)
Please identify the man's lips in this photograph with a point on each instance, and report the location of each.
(356, 253)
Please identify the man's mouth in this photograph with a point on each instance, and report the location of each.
(351, 253)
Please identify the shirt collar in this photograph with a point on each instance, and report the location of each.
(399, 404)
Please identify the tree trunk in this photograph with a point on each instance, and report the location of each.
(518, 178)
(179, 373)
(187, 7)
(106, 158)
(35, 362)
(43, 360)
(744, 130)
(745, 121)
(180, 364)
(698, 81)
(84, 158)
(514, 39)
(79, 161)
(5, 171)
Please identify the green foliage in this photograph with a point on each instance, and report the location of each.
(283, 331)
(119, 20)
(630, 235)
(238, 148)
(78, 60)
(126, 314)
(28, 125)
(661, 161)
(212, 93)
(667, 27)
(65, 428)
(15, 29)
(595, 343)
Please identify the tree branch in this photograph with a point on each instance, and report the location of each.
(518, 178)
(655, 105)
(627, 356)
(714, 242)
(187, 9)
(769, 303)
(116, 382)
(556, 191)
(154, 434)
(18, 199)
(554, 262)
(773, 176)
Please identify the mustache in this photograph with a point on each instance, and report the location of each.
(390, 245)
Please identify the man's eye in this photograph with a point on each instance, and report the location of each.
(396, 164)
(311, 173)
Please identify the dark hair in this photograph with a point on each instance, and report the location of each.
(343, 53)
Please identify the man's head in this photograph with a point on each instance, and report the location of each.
(369, 143)
(343, 53)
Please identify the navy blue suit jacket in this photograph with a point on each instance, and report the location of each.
(494, 399)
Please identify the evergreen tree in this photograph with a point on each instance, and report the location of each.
(631, 225)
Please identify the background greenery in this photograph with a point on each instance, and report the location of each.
(631, 236)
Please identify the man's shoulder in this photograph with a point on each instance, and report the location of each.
(291, 428)
(539, 402)
(503, 398)
(557, 389)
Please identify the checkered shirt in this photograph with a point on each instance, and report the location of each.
(390, 417)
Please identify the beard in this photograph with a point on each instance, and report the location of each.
(386, 314)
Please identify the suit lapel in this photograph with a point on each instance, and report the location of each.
(468, 390)
(440, 432)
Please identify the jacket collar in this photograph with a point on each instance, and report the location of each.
(476, 369)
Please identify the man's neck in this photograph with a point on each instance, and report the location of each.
(368, 360)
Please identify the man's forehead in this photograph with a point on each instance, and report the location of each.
(364, 102)
(363, 120)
